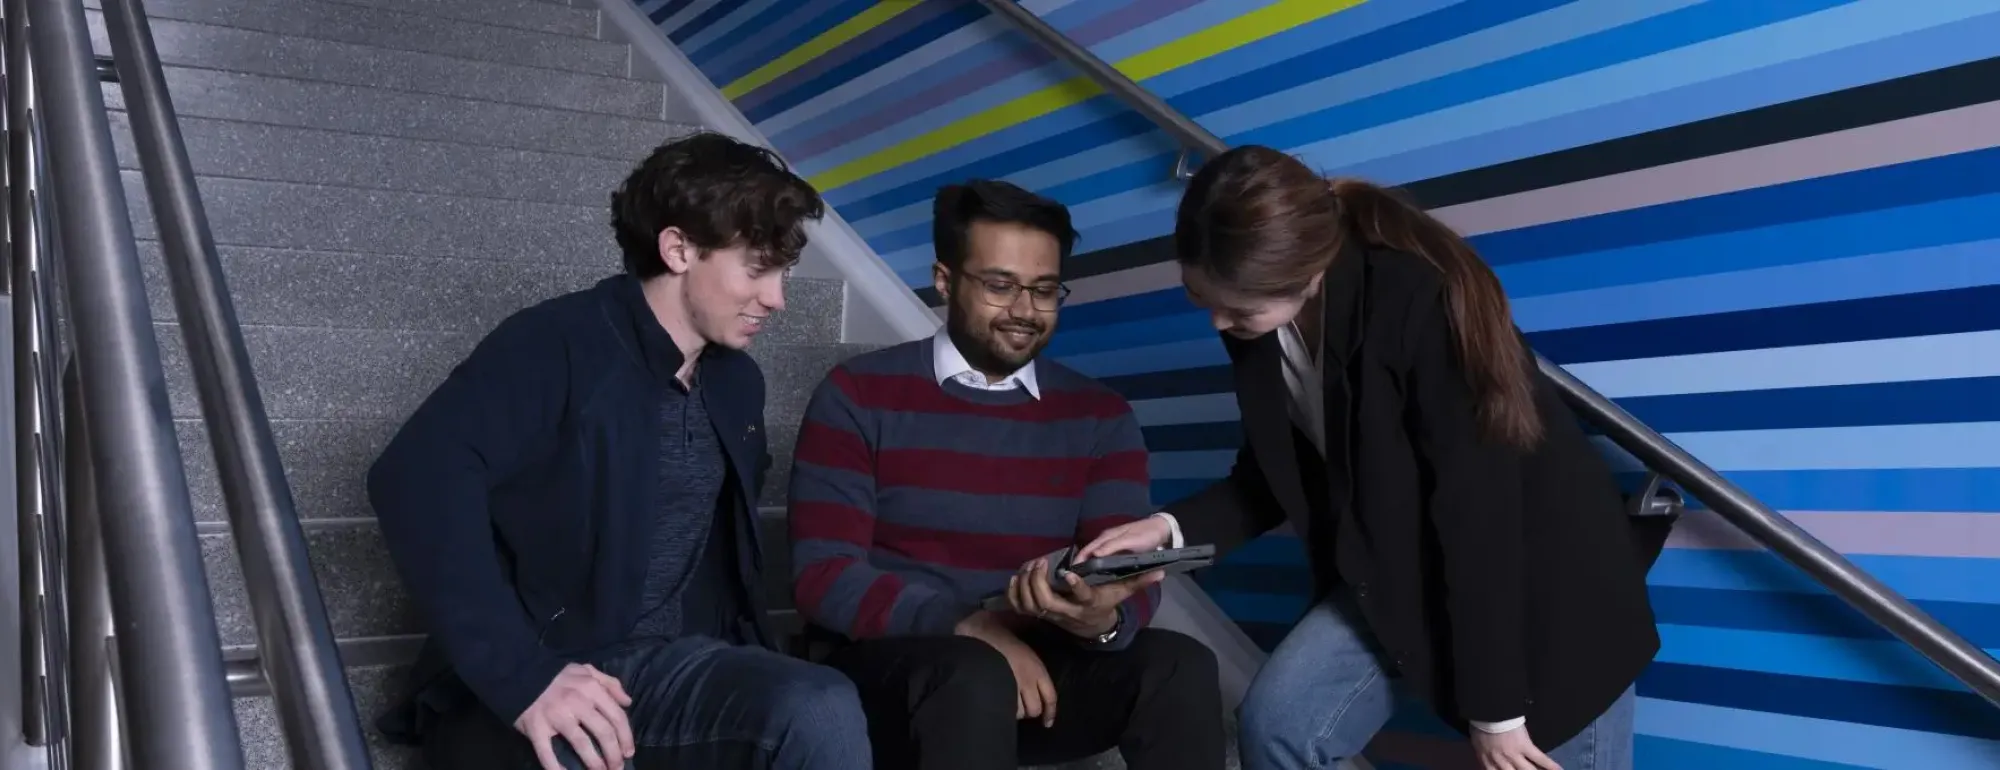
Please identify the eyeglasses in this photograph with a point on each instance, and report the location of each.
(1000, 292)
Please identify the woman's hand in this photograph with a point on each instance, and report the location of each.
(1511, 750)
(1147, 534)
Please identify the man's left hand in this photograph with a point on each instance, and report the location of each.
(1087, 611)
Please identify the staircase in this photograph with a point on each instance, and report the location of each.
(386, 180)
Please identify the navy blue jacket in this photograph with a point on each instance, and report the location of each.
(518, 500)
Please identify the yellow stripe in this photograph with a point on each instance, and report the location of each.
(1248, 28)
(818, 46)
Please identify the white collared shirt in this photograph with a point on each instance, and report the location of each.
(949, 364)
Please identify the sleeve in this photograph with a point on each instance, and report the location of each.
(495, 413)
(1117, 493)
(832, 521)
(1230, 512)
(1475, 505)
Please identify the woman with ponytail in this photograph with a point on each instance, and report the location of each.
(1468, 544)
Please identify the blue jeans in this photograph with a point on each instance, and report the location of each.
(1322, 697)
(696, 702)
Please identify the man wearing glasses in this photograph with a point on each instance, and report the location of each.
(934, 474)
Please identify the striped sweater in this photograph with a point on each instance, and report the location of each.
(913, 500)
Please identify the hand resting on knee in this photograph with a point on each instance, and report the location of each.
(582, 704)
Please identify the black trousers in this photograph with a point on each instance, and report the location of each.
(947, 703)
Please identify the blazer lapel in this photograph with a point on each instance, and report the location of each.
(1262, 400)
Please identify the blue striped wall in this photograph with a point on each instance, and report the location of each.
(1767, 227)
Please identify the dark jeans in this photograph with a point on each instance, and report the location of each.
(947, 703)
(696, 703)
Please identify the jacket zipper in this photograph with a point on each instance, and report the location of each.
(549, 624)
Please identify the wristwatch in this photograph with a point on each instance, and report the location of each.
(1117, 622)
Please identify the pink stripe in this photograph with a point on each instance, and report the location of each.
(1951, 535)
(1025, 57)
(878, 37)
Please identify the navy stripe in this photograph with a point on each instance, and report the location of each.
(1170, 384)
(669, 8)
(868, 60)
(1972, 399)
(1948, 311)
(1193, 436)
(1809, 614)
(1125, 309)
(700, 22)
(1909, 708)
(770, 48)
(1963, 175)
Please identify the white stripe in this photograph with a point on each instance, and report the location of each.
(687, 14)
(1884, 144)
(1938, 357)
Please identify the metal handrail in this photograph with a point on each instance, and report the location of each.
(295, 640)
(1944, 647)
(163, 614)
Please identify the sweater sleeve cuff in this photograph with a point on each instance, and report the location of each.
(1496, 728)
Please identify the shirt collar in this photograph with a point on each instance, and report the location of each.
(948, 363)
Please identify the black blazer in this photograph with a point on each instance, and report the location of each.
(1499, 583)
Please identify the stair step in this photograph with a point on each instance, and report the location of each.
(286, 215)
(202, 93)
(357, 583)
(537, 15)
(326, 465)
(374, 689)
(210, 46)
(263, 152)
(402, 31)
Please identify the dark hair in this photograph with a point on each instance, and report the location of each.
(720, 193)
(1263, 223)
(957, 206)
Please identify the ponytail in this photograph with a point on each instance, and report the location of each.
(1496, 363)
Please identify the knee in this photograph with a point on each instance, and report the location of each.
(1176, 663)
(964, 674)
(815, 698)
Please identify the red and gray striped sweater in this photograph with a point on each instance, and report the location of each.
(913, 500)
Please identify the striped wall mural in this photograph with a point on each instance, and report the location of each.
(1770, 228)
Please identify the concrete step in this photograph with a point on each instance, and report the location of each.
(283, 215)
(269, 153)
(202, 93)
(319, 373)
(537, 15)
(234, 49)
(358, 584)
(326, 465)
(403, 31)
(374, 689)
(364, 596)
(260, 151)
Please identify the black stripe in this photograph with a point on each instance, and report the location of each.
(1908, 708)
(1920, 94)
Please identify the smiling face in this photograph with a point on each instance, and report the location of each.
(726, 294)
(1004, 297)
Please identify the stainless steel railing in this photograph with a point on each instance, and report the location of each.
(1944, 647)
(125, 660)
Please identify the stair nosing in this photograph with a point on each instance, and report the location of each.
(653, 85)
(424, 140)
(566, 110)
(627, 74)
(453, 257)
(596, 25)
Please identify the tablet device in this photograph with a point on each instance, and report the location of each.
(1105, 569)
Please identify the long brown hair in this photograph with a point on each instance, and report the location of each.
(1265, 225)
